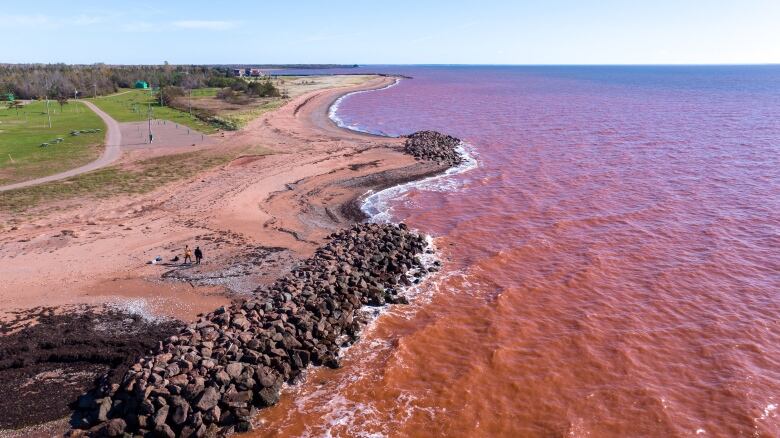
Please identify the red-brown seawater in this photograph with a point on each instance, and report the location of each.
(611, 264)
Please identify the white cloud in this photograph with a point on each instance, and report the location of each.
(205, 24)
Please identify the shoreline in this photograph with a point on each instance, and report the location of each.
(334, 107)
(372, 163)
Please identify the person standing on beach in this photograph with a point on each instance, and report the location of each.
(187, 254)
(198, 255)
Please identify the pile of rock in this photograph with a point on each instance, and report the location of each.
(211, 377)
(434, 146)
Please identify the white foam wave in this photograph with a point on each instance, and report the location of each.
(428, 259)
(334, 108)
(376, 205)
(768, 410)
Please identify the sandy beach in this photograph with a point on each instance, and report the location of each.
(253, 217)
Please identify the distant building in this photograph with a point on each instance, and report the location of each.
(143, 85)
(251, 72)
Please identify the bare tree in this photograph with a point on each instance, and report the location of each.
(62, 100)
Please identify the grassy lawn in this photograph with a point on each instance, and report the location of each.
(204, 92)
(133, 106)
(140, 177)
(248, 113)
(23, 131)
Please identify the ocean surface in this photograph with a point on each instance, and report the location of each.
(612, 260)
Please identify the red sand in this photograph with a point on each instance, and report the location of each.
(135, 135)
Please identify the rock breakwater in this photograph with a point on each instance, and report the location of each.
(210, 378)
(434, 146)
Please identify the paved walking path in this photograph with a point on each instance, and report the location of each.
(111, 153)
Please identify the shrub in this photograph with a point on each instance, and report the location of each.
(170, 93)
(263, 89)
(226, 93)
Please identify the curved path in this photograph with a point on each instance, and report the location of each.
(111, 153)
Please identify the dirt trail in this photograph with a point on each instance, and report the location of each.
(111, 153)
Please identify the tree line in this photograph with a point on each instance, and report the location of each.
(38, 81)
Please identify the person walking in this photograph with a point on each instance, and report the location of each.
(187, 254)
(198, 255)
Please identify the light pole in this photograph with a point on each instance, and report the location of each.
(48, 114)
(151, 137)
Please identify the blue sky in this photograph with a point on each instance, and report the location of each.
(392, 32)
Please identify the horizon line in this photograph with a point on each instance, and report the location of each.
(357, 65)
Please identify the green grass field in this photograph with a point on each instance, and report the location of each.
(140, 177)
(242, 117)
(204, 92)
(23, 131)
(133, 106)
(144, 176)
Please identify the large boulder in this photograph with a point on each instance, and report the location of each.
(434, 146)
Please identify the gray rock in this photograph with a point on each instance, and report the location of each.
(160, 416)
(172, 370)
(115, 427)
(212, 415)
(180, 410)
(164, 431)
(208, 399)
(104, 406)
(237, 398)
(234, 369)
(146, 407)
(268, 396)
